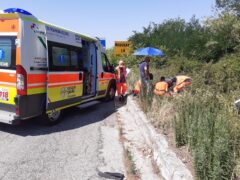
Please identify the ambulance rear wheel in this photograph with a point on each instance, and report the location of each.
(52, 117)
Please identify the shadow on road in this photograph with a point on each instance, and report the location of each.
(119, 103)
(72, 118)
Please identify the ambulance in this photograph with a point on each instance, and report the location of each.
(45, 68)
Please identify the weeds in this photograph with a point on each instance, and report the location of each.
(132, 167)
(203, 123)
(204, 117)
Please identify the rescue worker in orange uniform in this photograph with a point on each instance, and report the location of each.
(121, 80)
(137, 88)
(181, 83)
(138, 85)
(161, 88)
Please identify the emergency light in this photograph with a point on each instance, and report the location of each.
(16, 10)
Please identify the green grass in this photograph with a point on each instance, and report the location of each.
(203, 117)
(133, 169)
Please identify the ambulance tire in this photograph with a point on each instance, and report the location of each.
(111, 92)
(52, 118)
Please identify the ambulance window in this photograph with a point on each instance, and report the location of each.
(60, 57)
(74, 58)
(80, 59)
(105, 63)
(7, 52)
(63, 57)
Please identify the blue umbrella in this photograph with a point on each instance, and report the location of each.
(148, 51)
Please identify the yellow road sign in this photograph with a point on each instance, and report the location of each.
(122, 48)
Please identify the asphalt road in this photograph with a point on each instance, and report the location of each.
(69, 150)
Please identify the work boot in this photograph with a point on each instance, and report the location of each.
(121, 98)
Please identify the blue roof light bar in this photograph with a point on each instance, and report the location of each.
(17, 10)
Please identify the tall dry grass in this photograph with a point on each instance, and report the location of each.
(203, 117)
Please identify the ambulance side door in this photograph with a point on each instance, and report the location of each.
(106, 75)
(65, 77)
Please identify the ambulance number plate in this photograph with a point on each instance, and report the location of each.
(4, 94)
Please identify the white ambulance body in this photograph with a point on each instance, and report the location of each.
(45, 68)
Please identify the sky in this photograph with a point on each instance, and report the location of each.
(109, 19)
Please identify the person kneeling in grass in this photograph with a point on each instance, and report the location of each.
(182, 83)
(138, 84)
(161, 88)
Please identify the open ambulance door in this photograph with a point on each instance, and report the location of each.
(93, 65)
(64, 77)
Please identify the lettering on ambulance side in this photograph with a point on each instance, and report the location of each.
(68, 92)
(39, 33)
(62, 86)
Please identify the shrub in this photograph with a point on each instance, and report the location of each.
(205, 118)
(202, 121)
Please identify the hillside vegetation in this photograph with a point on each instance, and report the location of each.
(204, 117)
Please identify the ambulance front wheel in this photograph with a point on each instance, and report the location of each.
(52, 117)
(111, 93)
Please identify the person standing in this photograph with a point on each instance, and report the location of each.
(144, 69)
(121, 80)
(144, 74)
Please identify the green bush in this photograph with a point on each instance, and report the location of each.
(205, 117)
(203, 122)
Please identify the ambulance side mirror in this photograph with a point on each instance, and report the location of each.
(111, 68)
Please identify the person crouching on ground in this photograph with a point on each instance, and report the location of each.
(138, 84)
(182, 82)
(161, 88)
(121, 80)
(171, 82)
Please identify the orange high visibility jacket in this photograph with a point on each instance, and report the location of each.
(182, 81)
(161, 88)
(118, 73)
(138, 86)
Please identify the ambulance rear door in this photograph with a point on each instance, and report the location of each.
(9, 30)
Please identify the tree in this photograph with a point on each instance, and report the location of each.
(229, 5)
(175, 35)
(225, 34)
